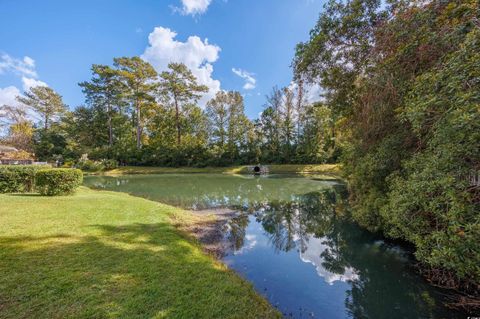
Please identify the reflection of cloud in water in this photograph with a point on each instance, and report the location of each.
(312, 255)
(250, 242)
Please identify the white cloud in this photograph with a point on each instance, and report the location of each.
(30, 82)
(25, 67)
(249, 244)
(311, 92)
(194, 7)
(196, 54)
(8, 95)
(312, 255)
(29, 61)
(250, 81)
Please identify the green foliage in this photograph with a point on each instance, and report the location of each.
(90, 166)
(137, 78)
(58, 181)
(134, 116)
(228, 126)
(104, 94)
(51, 144)
(179, 90)
(109, 164)
(18, 178)
(433, 203)
(404, 80)
(46, 102)
(317, 143)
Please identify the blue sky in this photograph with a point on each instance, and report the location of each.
(56, 41)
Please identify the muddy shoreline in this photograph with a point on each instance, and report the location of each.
(211, 233)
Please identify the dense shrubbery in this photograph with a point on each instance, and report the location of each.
(432, 202)
(89, 165)
(406, 79)
(18, 179)
(40, 178)
(59, 181)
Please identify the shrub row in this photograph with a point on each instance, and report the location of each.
(47, 181)
(18, 178)
(60, 181)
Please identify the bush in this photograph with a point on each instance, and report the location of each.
(434, 202)
(109, 164)
(90, 166)
(87, 165)
(68, 164)
(60, 181)
(18, 178)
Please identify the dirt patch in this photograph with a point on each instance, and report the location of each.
(211, 232)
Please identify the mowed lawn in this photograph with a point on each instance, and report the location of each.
(110, 255)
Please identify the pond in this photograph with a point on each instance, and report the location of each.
(293, 242)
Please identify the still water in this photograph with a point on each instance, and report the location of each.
(293, 242)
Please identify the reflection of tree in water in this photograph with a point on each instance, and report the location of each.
(279, 221)
(386, 287)
(382, 285)
(205, 191)
(290, 223)
(237, 231)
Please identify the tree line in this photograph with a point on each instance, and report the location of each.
(137, 116)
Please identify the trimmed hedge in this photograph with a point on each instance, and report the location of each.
(18, 178)
(58, 181)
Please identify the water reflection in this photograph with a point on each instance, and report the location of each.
(204, 191)
(375, 276)
(294, 244)
(327, 264)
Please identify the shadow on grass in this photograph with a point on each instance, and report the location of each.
(133, 271)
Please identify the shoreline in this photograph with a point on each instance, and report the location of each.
(119, 248)
(210, 230)
(325, 170)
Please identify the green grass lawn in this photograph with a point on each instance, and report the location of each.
(110, 255)
(273, 169)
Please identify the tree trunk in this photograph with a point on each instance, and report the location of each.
(139, 127)
(222, 132)
(110, 130)
(177, 120)
(299, 106)
(333, 135)
(45, 125)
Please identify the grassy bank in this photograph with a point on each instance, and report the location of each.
(110, 255)
(273, 169)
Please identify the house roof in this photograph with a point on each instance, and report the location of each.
(7, 149)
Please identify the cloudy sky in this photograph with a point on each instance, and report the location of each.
(244, 45)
